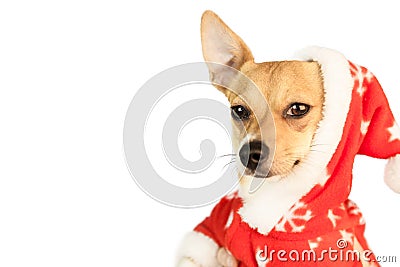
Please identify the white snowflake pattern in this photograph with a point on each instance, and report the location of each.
(314, 243)
(364, 126)
(394, 132)
(342, 207)
(333, 217)
(360, 76)
(355, 210)
(291, 216)
(369, 76)
(352, 207)
(348, 237)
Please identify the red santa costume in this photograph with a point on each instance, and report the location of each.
(306, 216)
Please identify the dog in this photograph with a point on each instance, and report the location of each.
(296, 144)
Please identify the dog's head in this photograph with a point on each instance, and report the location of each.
(280, 137)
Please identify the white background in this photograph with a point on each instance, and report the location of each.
(68, 71)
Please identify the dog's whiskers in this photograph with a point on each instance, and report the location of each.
(321, 145)
(319, 151)
(227, 155)
(230, 162)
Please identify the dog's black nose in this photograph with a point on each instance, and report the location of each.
(252, 153)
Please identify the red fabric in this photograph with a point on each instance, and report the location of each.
(325, 215)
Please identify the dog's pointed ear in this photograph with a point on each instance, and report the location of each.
(221, 45)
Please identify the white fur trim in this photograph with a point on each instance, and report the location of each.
(186, 262)
(199, 250)
(263, 208)
(392, 173)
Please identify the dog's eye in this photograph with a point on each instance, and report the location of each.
(297, 110)
(239, 112)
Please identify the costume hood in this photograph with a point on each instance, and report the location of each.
(356, 120)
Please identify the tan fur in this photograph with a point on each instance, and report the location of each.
(284, 83)
(281, 83)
